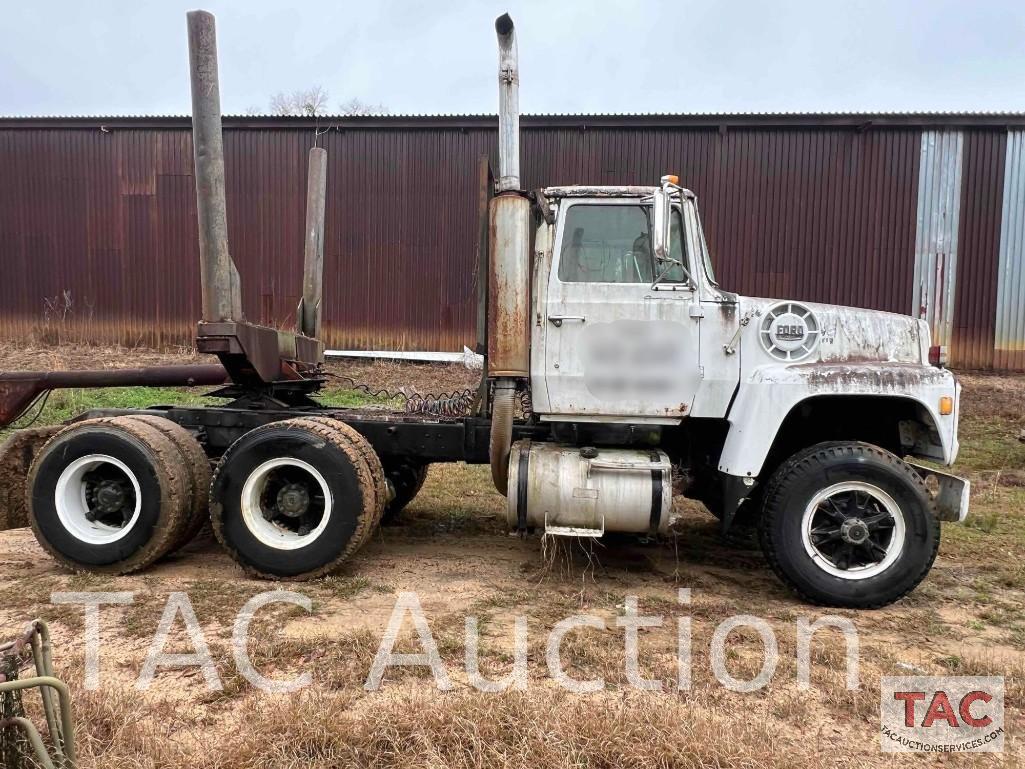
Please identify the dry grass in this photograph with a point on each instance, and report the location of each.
(412, 727)
(69, 357)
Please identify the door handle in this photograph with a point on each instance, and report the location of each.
(558, 319)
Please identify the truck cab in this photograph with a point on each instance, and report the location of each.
(621, 333)
(634, 343)
(631, 326)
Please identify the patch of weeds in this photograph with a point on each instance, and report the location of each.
(352, 399)
(986, 522)
(1016, 637)
(63, 405)
(344, 587)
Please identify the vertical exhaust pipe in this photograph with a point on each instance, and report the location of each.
(313, 267)
(222, 295)
(508, 105)
(509, 273)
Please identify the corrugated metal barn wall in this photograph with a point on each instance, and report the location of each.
(1010, 303)
(98, 241)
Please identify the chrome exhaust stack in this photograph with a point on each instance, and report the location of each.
(508, 105)
(509, 254)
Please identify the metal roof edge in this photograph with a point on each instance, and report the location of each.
(724, 121)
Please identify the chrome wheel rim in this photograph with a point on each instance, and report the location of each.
(853, 530)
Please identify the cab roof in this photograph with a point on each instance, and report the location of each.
(591, 191)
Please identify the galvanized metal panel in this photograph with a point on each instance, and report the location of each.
(1010, 314)
(939, 208)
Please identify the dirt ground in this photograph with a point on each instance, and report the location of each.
(451, 547)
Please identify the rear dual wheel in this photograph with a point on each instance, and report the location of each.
(113, 495)
(295, 499)
(197, 471)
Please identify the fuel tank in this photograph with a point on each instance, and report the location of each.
(588, 491)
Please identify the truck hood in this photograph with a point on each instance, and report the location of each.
(784, 331)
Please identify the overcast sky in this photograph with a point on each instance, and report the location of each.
(99, 57)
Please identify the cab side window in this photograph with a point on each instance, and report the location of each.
(675, 272)
(606, 244)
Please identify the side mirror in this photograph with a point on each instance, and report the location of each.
(660, 225)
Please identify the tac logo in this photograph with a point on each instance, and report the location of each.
(948, 714)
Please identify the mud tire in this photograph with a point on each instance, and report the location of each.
(373, 461)
(16, 455)
(155, 462)
(407, 480)
(339, 456)
(197, 469)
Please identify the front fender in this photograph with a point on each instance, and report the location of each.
(770, 393)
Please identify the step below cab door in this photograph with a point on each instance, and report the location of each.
(615, 344)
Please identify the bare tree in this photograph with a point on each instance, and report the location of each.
(356, 107)
(312, 102)
(304, 102)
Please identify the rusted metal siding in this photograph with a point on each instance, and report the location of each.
(982, 187)
(101, 221)
(1010, 311)
(93, 236)
(98, 234)
(822, 215)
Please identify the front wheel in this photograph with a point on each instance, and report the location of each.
(848, 524)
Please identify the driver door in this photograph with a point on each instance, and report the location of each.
(614, 345)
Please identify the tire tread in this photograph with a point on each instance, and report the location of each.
(344, 442)
(172, 482)
(809, 460)
(197, 469)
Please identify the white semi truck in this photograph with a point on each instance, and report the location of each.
(644, 378)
